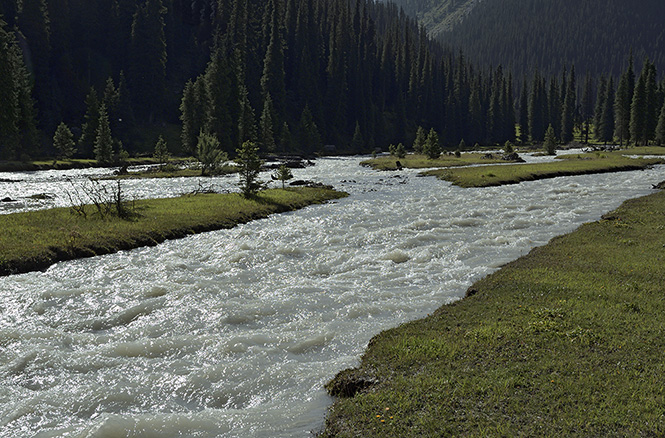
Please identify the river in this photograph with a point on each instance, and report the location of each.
(233, 333)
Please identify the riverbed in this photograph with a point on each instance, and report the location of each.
(233, 333)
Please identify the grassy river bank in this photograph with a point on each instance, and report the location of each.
(35, 240)
(565, 341)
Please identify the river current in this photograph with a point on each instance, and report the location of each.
(233, 333)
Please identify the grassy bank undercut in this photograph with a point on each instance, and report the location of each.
(35, 240)
(566, 341)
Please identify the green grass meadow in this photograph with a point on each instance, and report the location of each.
(566, 341)
(34, 240)
(488, 176)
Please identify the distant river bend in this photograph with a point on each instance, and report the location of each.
(233, 333)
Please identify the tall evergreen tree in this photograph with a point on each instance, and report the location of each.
(103, 141)
(90, 124)
(524, 113)
(537, 109)
(309, 137)
(586, 107)
(266, 126)
(63, 141)
(660, 129)
(600, 105)
(638, 112)
(569, 105)
(622, 105)
(147, 72)
(652, 101)
(606, 126)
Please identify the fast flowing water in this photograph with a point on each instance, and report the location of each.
(233, 333)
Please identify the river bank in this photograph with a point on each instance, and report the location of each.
(566, 341)
(582, 164)
(35, 240)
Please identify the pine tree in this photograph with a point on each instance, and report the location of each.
(586, 107)
(638, 112)
(266, 126)
(606, 125)
(272, 80)
(247, 119)
(524, 114)
(249, 165)
(432, 147)
(652, 102)
(419, 142)
(147, 74)
(161, 153)
(550, 141)
(209, 153)
(622, 104)
(285, 139)
(660, 129)
(569, 105)
(537, 109)
(63, 141)
(600, 105)
(103, 141)
(357, 142)
(310, 139)
(9, 96)
(90, 124)
(283, 174)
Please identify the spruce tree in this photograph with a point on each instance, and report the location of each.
(432, 147)
(524, 113)
(103, 147)
(652, 101)
(285, 139)
(569, 105)
(660, 129)
(9, 96)
(586, 107)
(357, 142)
(282, 174)
(147, 54)
(90, 124)
(638, 112)
(63, 141)
(266, 126)
(606, 125)
(209, 153)
(161, 153)
(622, 104)
(419, 142)
(249, 165)
(246, 118)
(600, 105)
(309, 137)
(550, 141)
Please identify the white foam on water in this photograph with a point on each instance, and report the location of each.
(234, 333)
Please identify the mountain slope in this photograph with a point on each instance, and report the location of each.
(438, 16)
(594, 36)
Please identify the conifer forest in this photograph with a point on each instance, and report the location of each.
(294, 76)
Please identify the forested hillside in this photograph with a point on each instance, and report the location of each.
(293, 75)
(594, 36)
(437, 16)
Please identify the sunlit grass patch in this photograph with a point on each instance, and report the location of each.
(416, 161)
(487, 176)
(34, 240)
(566, 341)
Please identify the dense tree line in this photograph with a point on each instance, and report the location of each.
(630, 112)
(594, 36)
(292, 75)
(289, 75)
